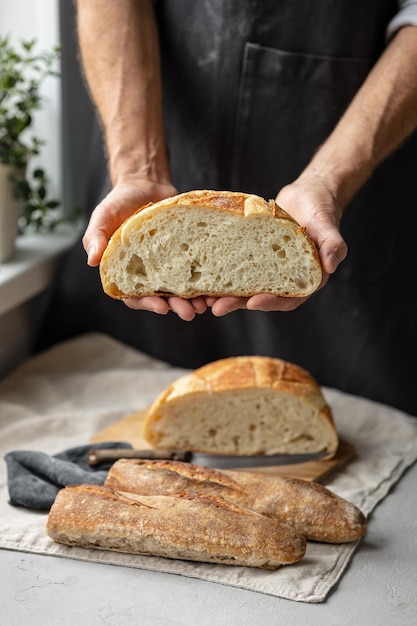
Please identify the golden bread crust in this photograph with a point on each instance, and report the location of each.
(184, 526)
(312, 509)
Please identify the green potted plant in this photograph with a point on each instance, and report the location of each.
(23, 194)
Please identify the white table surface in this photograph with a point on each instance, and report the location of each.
(379, 588)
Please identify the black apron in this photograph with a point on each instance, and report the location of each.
(251, 89)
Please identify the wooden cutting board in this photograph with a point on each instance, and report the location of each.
(129, 429)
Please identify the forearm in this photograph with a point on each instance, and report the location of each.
(380, 117)
(120, 55)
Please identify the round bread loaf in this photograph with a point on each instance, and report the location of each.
(249, 405)
(216, 243)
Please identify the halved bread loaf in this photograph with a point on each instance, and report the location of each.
(247, 405)
(215, 243)
(187, 526)
(312, 509)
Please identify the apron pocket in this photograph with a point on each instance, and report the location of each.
(287, 105)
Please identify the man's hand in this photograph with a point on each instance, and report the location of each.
(314, 207)
(123, 200)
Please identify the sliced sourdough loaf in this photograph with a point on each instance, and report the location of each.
(249, 405)
(216, 243)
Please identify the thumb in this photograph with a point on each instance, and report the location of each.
(332, 247)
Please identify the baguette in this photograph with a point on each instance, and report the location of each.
(190, 527)
(243, 406)
(311, 509)
(216, 243)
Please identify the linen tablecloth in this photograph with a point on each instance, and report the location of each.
(62, 397)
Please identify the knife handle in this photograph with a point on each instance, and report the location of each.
(100, 455)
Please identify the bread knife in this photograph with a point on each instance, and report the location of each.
(219, 461)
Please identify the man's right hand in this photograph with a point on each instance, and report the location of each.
(124, 199)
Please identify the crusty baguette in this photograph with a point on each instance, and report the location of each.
(246, 405)
(215, 243)
(190, 527)
(312, 509)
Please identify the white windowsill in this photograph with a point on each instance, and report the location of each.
(30, 270)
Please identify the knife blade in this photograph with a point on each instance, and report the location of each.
(221, 461)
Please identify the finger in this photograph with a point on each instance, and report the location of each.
(183, 308)
(225, 305)
(155, 304)
(210, 300)
(333, 250)
(104, 220)
(94, 245)
(199, 304)
(98, 232)
(268, 302)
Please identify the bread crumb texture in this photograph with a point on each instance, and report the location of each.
(210, 243)
(243, 406)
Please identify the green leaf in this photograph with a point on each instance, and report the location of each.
(52, 204)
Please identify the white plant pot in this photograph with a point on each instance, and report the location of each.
(10, 212)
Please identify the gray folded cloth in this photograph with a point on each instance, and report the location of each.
(34, 478)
